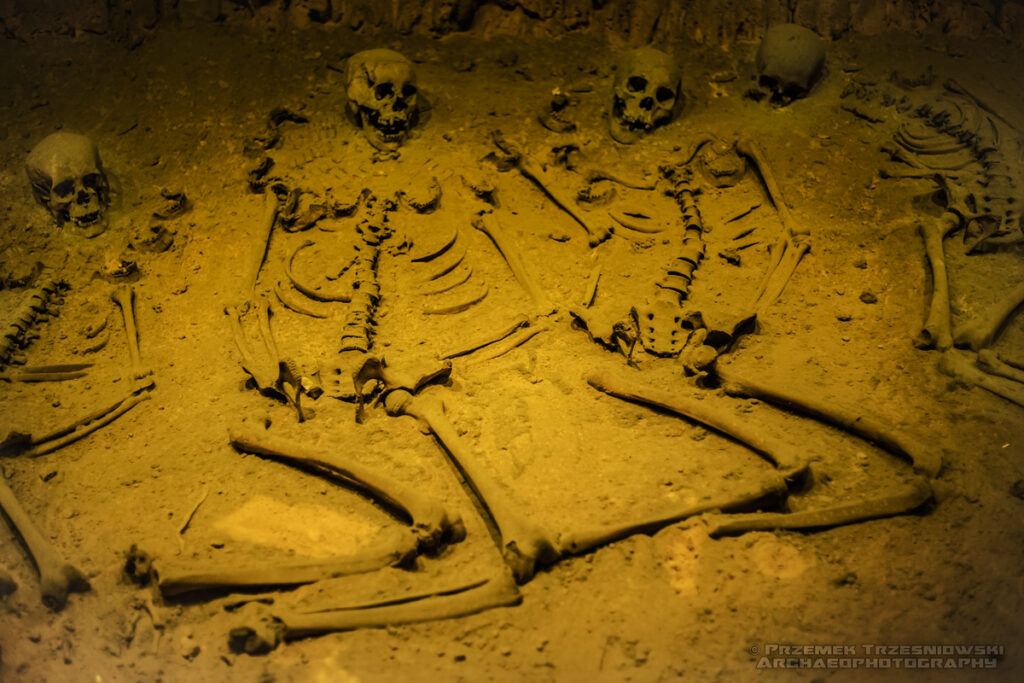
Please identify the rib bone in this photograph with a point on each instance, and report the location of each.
(524, 544)
(57, 577)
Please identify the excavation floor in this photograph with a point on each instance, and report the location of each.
(175, 114)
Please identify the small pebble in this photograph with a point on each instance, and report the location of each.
(868, 298)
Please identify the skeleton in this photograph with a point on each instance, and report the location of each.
(951, 139)
(667, 328)
(790, 60)
(645, 94)
(68, 179)
(382, 96)
(666, 325)
(57, 577)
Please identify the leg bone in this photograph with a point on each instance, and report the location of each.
(780, 453)
(524, 544)
(429, 519)
(173, 580)
(852, 420)
(983, 330)
(446, 604)
(57, 577)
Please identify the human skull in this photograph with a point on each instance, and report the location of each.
(382, 92)
(68, 179)
(644, 93)
(789, 61)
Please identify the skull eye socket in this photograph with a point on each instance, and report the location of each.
(382, 90)
(93, 181)
(664, 94)
(636, 83)
(64, 188)
(408, 90)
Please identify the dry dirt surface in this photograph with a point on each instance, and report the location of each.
(189, 111)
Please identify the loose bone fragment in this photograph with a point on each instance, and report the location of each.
(985, 329)
(124, 296)
(431, 522)
(57, 577)
(447, 603)
(937, 331)
(853, 420)
(489, 225)
(524, 545)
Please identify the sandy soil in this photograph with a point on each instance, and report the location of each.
(175, 114)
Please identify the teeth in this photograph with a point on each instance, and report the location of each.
(87, 220)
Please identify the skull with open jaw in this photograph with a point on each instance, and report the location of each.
(645, 93)
(68, 179)
(382, 96)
